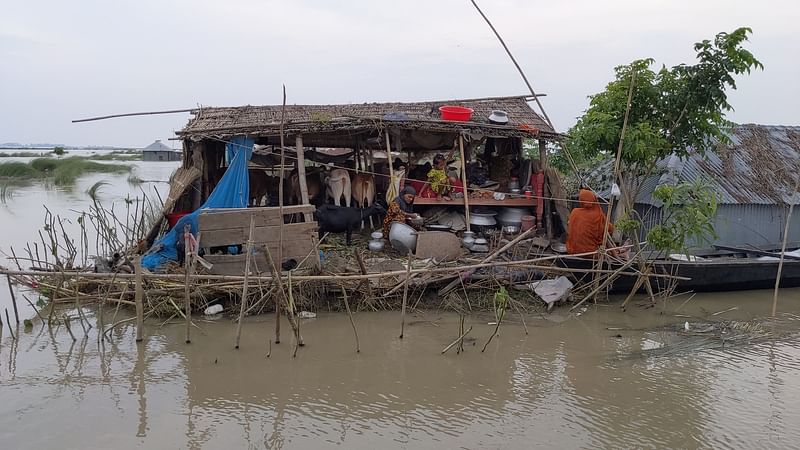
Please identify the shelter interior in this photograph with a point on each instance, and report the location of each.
(381, 142)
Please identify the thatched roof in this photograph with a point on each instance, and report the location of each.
(323, 119)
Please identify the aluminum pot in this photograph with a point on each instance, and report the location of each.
(402, 237)
(376, 245)
(484, 220)
(512, 216)
(468, 239)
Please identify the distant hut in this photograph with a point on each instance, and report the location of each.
(157, 151)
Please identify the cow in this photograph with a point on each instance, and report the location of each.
(363, 187)
(337, 185)
(259, 182)
(343, 219)
(313, 186)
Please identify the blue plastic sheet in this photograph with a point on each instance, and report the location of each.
(231, 192)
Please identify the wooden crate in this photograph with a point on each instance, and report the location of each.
(231, 226)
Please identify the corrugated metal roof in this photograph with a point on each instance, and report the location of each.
(157, 146)
(759, 166)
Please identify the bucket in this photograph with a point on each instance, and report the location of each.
(455, 113)
(527, 223)
(173, 218)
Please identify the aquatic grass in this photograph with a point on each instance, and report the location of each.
(117, 156)
(134, 180)
(6, 192)
(70, 169)
(94, 190)
(62, 172)
(17, 169)
(22, 155)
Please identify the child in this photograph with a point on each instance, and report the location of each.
(437, 178)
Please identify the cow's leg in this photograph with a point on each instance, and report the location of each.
(336, 192)
(347, 189)
(349, 235)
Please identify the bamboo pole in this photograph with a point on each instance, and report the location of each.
(464, 179)
(8, 322)
(519, 69)
(783, 249)
(405, 297)
(68, 327)
(277, 268)
(301, 175)
(139, 293)
(243, 306)
(13, 297)
(391, 169)
(188, 262)
(529, 263)
(460, 338)
(350, 315)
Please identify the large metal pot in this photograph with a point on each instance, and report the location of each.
(402, 237)
(512, 216)
(482, 219)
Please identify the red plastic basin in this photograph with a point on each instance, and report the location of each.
(456, 113)
(173, 218)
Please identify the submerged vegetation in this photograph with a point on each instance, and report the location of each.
(62, 172)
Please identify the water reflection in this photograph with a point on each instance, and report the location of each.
(570, 383)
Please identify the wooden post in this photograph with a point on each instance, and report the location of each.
(405, 297)
(464, 179)
(279, 263)
(389, 197)
(301, 175)
(188, 262)
(249, 249)
(13, 298)
(548, 217)
(783, 248)
(139, 293)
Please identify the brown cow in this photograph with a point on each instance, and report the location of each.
(363, 189)
(312, 184)
(259, 182)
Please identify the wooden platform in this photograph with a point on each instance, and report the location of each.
(529, 202)
(231, 226)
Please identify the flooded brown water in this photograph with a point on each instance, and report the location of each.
(604, 378)
(571, 383)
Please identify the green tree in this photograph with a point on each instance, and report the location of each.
(673, 110)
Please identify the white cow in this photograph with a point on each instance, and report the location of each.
(337, 184)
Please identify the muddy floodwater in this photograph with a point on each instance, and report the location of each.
(597, 378)
(605, 378)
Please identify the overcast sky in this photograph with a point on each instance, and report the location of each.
(67, 60)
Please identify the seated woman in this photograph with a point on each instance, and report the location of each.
(400, 209)
(586, 224)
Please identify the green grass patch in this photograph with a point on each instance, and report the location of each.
(17, 169)
(62, 172)
(117, 156)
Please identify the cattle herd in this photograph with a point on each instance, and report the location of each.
(352, 196)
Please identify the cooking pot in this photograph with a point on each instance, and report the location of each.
(484, 220)
(402, 237)
(512, 216)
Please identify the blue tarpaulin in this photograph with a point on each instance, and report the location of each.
(231, 192)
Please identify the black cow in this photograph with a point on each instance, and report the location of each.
(341, 219)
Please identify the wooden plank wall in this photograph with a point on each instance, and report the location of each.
(231, 226)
